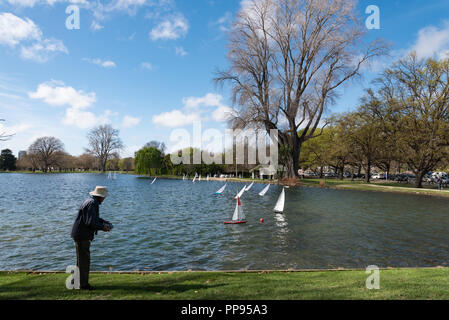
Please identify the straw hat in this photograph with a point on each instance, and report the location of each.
(99, 191)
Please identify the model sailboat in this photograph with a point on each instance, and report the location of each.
(239, 195)
(154, 180)
(239, 215)
(281, 201)
(220, 191)
(262, 193)
(250, 186)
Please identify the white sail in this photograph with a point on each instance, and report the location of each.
(194, 178)
(220, 191)
(280, 204)
(207, 178)
(115, 176)
(153, 181)
(183, 177)
(239, 215)
(250, 186)
(262, 193)
(199, 179)
(109, 175)
(239, 195)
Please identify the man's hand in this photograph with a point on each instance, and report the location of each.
(106, 229)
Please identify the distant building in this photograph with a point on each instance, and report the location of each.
(21, 154)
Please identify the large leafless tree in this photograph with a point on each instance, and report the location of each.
(287, 60)
(45, 152)
(104, 142)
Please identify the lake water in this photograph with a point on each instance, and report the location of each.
(178, 225)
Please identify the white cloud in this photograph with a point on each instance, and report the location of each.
(14, 30)
(146, 65)
(55, 93)
(85, 119)
(432, 41)
(224, 22)
(43, 50)
(129, 121)
(171, 28)
(130, 6)
(14, 129)
(222, 113)
(102, 63)
(175, 118)
(210, 100)
(96, 26)
(193, 109)
(180, 51)
(23, 3)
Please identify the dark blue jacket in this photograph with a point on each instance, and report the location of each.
(88, 221)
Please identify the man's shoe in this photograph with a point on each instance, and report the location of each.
(88, 287)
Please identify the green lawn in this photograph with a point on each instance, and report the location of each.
(394, 284)
(376, 186)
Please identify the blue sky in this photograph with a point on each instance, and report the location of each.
(146, 66)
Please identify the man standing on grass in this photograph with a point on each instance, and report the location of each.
(86, 226)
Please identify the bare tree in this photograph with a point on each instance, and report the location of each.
(46, 150)
(287, 60)
(104, 141)
(4, 136)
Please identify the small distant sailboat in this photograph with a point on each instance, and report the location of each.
(262, 193)
(207, 178)
(183, 177)
(114, 177)
(194, 178)
(109, 175)
(281, 201)
(239, 195)
(239, 215)
(250, 186)
(154, 180)
(199, 178)
(220, 191)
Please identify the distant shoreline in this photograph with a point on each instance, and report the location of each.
(356, 185)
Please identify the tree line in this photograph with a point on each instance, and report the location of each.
(402, 122)
(104, 144)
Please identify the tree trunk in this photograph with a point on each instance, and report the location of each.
(419, 178)
(295, 158)
(368, 172)
(290, 167)
(342, 171)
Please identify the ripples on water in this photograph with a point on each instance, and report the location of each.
(178, 225)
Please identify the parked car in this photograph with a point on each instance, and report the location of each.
(379, 176)
(402, 177)
(330, 175)
(310, 174)
(347, 175)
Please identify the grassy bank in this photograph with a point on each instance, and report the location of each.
(394, 284)
(375, 186)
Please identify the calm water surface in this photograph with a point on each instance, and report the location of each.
(178, 225)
